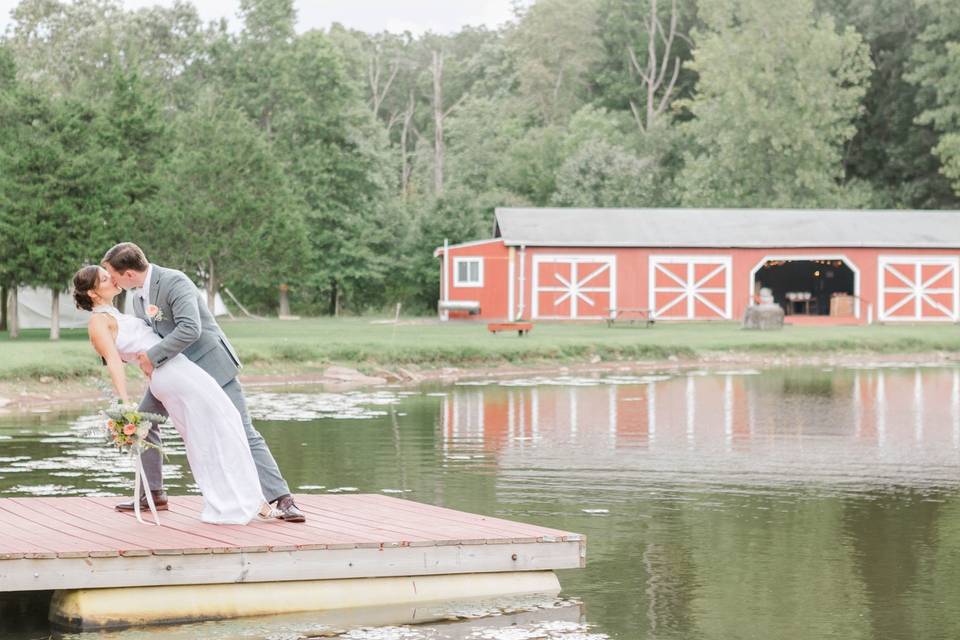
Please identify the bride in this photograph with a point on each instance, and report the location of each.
(210, 425)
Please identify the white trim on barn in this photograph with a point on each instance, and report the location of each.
(690, 288)
(473, 243)
(811, 256)
(464, 284)
(918, 291)
(444, 282)
(574, 289)
(511, 276)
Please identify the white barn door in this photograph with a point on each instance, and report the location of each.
(574, 287)
(918, 288)
(693, 287)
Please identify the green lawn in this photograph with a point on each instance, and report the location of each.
(359, 342)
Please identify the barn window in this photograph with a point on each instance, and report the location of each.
(468, 272)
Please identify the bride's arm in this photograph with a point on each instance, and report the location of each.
(102, 338)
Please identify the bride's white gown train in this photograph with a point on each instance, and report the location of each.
(209, 424)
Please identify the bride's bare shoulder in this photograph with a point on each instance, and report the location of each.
(100, 321)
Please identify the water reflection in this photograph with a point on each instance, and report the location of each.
(857, 428)
(790, 504)
(516, 618)
(803, 503)
(72, 459)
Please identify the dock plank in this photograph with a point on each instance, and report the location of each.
(355, 513)
(421, 533)
(13, 545)
(272, 532)
(56, 536)
(66, 513)
(175, 534)
(83, 542)
(125, 526)
(494, 527)
(371, 523)
(262, 535)
(508, 526)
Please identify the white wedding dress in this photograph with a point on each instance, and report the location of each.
(217, 447)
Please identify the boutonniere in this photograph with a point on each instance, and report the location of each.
(154, 312)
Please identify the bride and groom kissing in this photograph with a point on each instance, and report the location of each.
(192, 372)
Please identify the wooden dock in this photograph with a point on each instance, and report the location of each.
(83, 543)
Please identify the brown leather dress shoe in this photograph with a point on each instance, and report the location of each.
(159, 501)
(289, 511)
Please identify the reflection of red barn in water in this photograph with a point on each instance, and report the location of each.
(685, 264)
(708, 409)
(905, 406)
(886, 408)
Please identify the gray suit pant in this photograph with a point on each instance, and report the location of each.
(271, 481)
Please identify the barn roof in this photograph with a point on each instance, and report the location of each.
(727, 228)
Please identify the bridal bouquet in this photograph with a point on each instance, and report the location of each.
(127, 428)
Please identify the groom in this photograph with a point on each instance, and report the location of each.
(170, 302)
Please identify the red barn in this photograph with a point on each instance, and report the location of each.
(707, 264)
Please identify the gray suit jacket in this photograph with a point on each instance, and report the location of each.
(186, 326)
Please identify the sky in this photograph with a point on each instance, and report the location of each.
(418, 16)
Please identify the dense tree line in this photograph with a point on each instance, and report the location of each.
(335, 161)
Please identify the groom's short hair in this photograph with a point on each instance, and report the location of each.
(126, 256)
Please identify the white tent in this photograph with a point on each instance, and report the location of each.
(34, 307)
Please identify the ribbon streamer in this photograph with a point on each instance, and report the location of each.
(139, 476)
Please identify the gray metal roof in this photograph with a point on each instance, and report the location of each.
(727, 228)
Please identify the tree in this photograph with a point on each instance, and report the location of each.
(62, 195)
(141, 138)
(891, 150)
(481, 138)
(225, 209)
(776, 100)
(8, 70)
(459, 215)
(339, 157)
(387, 68)
(601, 174)
(297, 92)
(625, 28)
(609, 164)
(455, 65)
(74, 48)
(8, 77)
(659, 72)
(557, 44)
(383, 64)
(440, 113)
(936, 62)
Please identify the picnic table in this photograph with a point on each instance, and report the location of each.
(631, 315)
(522, 328)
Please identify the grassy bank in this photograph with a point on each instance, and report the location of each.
(312, 343)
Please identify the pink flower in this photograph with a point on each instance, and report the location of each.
(129, 429)
(152, 310)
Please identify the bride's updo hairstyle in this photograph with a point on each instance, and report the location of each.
(85, 281)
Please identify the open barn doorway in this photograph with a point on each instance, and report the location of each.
(809, 286)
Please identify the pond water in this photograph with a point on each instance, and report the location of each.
(801, 503)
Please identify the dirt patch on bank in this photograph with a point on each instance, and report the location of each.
(47, 395)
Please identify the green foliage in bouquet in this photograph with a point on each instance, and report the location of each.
(127, 428)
